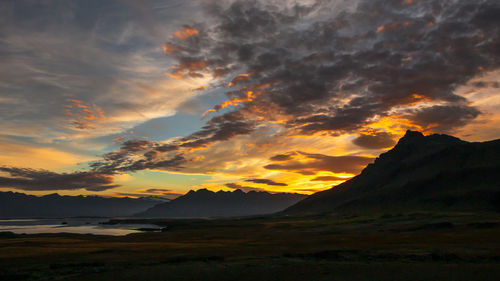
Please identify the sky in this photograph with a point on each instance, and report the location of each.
(158, 97)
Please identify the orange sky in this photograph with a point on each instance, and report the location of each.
(160, 102)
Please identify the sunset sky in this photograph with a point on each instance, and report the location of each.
(138, 98)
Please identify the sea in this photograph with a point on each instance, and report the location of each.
(72, 225)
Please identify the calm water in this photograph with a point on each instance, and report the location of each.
(70, 225)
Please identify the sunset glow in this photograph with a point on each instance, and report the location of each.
(291, 97)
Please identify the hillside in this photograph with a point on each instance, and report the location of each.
(20, 205)
(205, 203)
(421, 173)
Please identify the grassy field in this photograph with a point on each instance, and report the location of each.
(388, 247)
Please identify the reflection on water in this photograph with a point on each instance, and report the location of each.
(70, 225)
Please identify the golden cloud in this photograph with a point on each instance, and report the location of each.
(186, 32)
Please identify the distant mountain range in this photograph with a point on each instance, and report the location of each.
(421, 173)
(205, 203)
(20, 205)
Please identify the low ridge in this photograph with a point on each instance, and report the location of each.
(20, 205)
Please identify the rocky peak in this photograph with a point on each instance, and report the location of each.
(411, 137)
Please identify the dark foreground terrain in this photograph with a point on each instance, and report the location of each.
(418, 246)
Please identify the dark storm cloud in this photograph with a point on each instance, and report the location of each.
(158, 190)
(267, 182)
(135, 145)
(328, 178)
(220, 128)
(34, 180)
(243, 188)
(156, 193)
(315, 68)
(282, 157)
(337, 72)
(312, 163)
(117, 160)
(128, 163)
(375, 140)
(137, 155)
(486, 84)
(444, 117)
(167, 193)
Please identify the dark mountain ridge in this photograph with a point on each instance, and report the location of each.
(205, 203)
(20, 205)
(421, 173)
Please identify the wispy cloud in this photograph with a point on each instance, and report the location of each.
(266, 182)
(307, 163)
(30, 179)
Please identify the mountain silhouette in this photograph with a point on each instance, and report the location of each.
(421, 173)
(20, 205)
(205, 203)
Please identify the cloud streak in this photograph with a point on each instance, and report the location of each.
(266, 182)
(37, 180)
(309, 164)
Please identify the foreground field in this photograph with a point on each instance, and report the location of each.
(388, 247)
